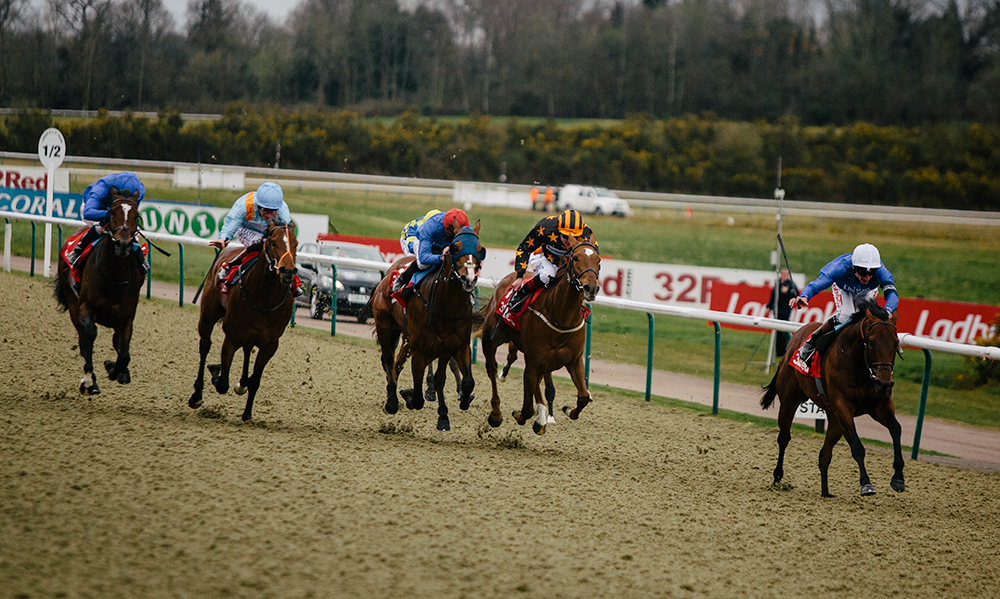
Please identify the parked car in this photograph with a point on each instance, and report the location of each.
(592, 200)
(354, 285)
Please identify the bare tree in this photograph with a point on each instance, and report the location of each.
(150, 20)
(9, 14)
(85, 18)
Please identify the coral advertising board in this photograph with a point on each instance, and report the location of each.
(955, 322)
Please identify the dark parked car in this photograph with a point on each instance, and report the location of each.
(354, 285)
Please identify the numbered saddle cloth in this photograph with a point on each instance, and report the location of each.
(513, 318)
(813, 367)
(73, 240)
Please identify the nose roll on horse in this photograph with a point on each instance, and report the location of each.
(436, 323)
(551, 336)
(108, 292)
(856, 375)
(254, 313)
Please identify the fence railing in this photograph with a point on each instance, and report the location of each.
(650, 309)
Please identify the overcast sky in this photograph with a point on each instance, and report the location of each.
(276, 9)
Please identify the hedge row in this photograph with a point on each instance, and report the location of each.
(948, 166)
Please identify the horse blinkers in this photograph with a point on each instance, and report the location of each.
(465, 266)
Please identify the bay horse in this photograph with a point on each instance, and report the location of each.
(109, 291)
(436, 324)
(552, 336)
(856, 372)
(253, 313)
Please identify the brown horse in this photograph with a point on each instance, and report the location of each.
(437, 323)
(857, 376)
(552, 336)
(253, 314)
(109, 291)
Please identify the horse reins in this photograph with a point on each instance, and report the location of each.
(272, 265)
(111, 233)
(866, 334)
(574, 279)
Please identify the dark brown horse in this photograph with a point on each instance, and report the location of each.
(552, 336)
(856, 372)
(108, 293)
(437, 324)
(253, 314)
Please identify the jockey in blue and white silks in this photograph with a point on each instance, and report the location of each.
(97, 200)
(851, 277)
(428, 241)
(250, 215)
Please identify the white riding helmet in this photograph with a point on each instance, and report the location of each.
(866, 256)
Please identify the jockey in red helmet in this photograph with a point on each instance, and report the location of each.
(428, 240)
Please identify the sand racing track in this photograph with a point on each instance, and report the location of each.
(132, 494)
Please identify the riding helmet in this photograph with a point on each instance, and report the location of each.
(269, 196)
(571, 223)
(866, 256)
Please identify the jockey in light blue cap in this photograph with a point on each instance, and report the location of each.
(249, 218)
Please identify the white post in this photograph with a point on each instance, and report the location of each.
(51, 152)
(6, 246)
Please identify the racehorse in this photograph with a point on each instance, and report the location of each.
(856, 372)
(254, 312)
(108, 293)
(552, 336)
(436, 323)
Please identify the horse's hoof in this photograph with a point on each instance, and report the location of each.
(444, 425)
(215, 370)
(195, 401)
(897, 485)
(465, 403)
(538, 428)
(94, 389)
(494, 423)
(391, 407)
(550, 420)
(568, 412)
(246, 416)
(124, 377)
(239, 390)
(830, 495)
(430, 396)
(110, 367)
(868, 489)
(83, 389)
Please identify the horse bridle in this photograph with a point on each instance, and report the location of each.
(455, 278)
(112, 232)
(272, 262)
(272, 265)
(865, 336)
(573, 276)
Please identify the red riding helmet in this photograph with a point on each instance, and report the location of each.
(455, 217)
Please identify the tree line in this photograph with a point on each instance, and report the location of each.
(941, 165)
(887, 62)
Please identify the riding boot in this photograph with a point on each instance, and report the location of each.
(228, 266)
(809, 347)
(524, 292)
(140, 259)
(88, 238)
(405, 276)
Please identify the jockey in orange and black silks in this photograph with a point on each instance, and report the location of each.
(545, 249)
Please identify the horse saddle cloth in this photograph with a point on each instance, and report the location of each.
(513, 318)
(415, 280)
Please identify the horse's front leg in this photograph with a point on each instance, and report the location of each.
(885, 414)
(414, 398)
(550, 397)
(463, 363)
(205, 331)
(118, 370)
(583, 397)
(430, 394)
(86, 329)
(833, 434)
(533, 404)
(440, 376)
(220, 372)
(846, 419)
(490, 357)
(786, 413)
(263, 356)
(387, 341)
(241, 387)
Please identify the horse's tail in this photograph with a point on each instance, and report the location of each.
(59, 293)
(770, 392)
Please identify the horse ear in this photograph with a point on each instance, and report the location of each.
(894, 316)
(476, 227)
(480, 250)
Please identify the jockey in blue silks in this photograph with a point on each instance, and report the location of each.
(97, 200)
(428, 240)
(249, 218)
(851, 277)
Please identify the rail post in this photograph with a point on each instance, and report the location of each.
(333, 301)
(180, 278)
(923, 403)
(33, 228)
(6, 244)
(718, 360)
(149, 275)
(649, 357)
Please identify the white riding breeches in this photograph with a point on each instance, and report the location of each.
(846, 302)
(542, 267)
(248, 237)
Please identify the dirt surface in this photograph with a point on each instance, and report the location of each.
(132, 494)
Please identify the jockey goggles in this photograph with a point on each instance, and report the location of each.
(865, 272)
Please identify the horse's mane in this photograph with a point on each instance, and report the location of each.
(863, 307)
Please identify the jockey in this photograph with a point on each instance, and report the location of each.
(851, 277)
(545, 249)
(97, 199)
(249, 218)
(428, 238)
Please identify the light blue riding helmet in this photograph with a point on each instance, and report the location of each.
(269, 196)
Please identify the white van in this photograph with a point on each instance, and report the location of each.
(592, 200)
